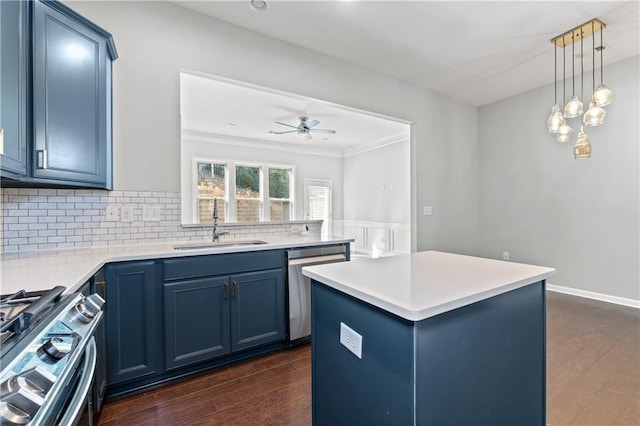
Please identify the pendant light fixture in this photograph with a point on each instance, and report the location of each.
(564, 132)
(595, 114)
(555, 119)
(603, 96)
(574, 106)
(582, 148)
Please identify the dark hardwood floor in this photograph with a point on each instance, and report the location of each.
(593, 378)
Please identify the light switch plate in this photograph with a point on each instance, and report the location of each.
(351, 340)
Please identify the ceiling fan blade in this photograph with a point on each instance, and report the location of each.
(282, 133)
(285, 124)
(323, 131)
(308, 135)
(313, 123)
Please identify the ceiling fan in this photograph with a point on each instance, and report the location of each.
(304, 128)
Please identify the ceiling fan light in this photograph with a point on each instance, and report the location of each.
(564, 133)
(603, 96)
(573, 107)
(594, 115)
(582, 148)
(556, 120)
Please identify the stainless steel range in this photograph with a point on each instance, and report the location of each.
(47, 357)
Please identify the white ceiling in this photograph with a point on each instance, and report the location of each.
(214, 106)
(475, 51)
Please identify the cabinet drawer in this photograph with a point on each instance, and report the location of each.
(219, 264)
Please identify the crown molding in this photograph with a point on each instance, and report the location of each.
(258, 143)
(370, 146)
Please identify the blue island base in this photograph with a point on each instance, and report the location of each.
(481, 364)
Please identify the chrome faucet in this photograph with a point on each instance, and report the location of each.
(216, 234)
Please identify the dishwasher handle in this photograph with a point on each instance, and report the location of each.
(317, 260)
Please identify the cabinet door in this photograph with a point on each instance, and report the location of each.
(14, 39)
(257, 308)
(70, 73)
(131, 321)
(196, 320)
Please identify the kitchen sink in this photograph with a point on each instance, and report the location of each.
(223, 244)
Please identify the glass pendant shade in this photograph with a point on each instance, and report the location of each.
(573, 107)
(582, 148)
(556, 120)
(603, 96)
(594, 115)
(564, 133)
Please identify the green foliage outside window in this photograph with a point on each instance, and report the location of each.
(279, 183)
(248, 181)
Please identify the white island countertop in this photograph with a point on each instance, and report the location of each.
(421, 285)
(71, 268)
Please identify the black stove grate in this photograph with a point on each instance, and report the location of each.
(23, 310)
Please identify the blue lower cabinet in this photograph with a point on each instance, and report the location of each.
(196, 321)
(257, 309)
(207, 318)
(132, 326)
(169, 318)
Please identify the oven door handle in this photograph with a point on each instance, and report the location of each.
(82, 391)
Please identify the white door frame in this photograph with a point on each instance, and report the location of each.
(328, 183)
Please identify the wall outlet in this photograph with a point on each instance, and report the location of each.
(295, 229)
(155, 213)
(427, 210)
(113, 212)
(151, 213)
(127, 214)
(351, 340)
(505, 255)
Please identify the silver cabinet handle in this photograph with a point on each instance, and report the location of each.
(234, 290)
(42, 158)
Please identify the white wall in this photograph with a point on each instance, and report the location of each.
(156, 39)
(306, 167)
(377, 184)
(544, 207)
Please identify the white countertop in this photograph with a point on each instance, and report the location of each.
(41, 270)
(421, 285)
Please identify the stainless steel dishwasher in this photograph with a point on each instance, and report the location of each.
(300, 286)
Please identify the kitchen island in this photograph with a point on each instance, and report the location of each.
(428, 338)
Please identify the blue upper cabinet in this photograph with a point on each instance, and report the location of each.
(14, 39)
(69, 115)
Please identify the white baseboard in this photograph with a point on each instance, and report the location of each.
(596, 296)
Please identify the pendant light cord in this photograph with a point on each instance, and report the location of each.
(581, 64)
(601, 49)
(593, 38)
(573, 63)
(564, 73)
(555, 74)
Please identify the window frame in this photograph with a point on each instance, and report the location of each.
(230, 186)
(292, 187)
(196, 197)
(260, 198)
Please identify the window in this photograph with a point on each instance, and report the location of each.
(248, 194)
(280, 190)
(211, 183)
(244, 192)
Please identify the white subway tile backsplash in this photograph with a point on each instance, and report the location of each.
(39, 219)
